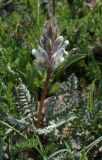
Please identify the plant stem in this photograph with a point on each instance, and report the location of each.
(43, 95)
(53, 7)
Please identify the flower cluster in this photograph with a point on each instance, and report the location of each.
(51, 49)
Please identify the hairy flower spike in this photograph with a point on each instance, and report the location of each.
(51, 50)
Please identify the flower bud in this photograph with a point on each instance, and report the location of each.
(65, 52)
(61, 60)
(66, 43)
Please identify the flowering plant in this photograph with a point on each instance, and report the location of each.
(51, 48)
(50, 54)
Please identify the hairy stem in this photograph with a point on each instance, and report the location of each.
(43, 95)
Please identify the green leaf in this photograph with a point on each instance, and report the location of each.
(9, 126)
(57, 152)
(55, 87)
(90, 146)
(65, 120)
(83, 155)
(91, 96)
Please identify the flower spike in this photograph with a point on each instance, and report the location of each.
(51, 49)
